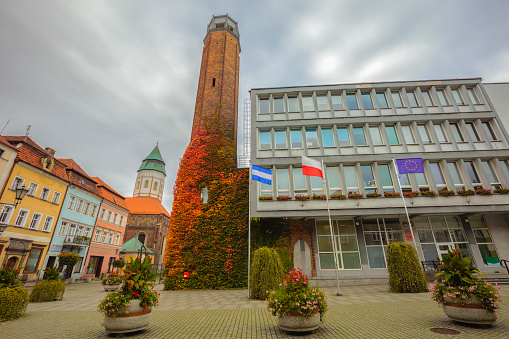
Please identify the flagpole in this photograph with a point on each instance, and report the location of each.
(404, 204)
(331, 231)
(249, 237)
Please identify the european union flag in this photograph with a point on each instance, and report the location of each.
(413, 165)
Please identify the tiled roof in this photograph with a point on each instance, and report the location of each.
(5, 142)
(79, 177)
(31, 153)
(110, 194)
(145, 205)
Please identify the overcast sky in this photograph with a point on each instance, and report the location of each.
(102, 81)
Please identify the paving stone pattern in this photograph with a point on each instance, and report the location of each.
(361, 312)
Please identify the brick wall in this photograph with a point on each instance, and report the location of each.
(303, 229)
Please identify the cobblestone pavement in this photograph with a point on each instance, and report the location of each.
(361, 312)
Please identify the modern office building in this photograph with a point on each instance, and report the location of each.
(357, 130)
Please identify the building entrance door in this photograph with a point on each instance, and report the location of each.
(443, 248)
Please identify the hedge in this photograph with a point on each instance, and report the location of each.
(13, 302)
(266, 272)
(47, 290)
(405, 272)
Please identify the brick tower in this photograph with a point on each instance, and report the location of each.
(219, 74)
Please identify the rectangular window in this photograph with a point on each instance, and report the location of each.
(266, 190)
(455, 175)
(32, 189)
(490, 173)
(343, 137)
(115, 218)
(457, 97)
(56, 198)
(440, 133)
(382, 100)
(92, 211)
(121, 220)
(36, 219)
(366, 100)
(293, 104)
(347, 248)
(109, 216)
(72, 201)
(411, 99)
(385, 177)
(296, 138)
(307, 103)
(442, 98)
(423, 132)
(377, 233)
(472, 132)
(358, 134)
(392, 135)
(427, 98)
(103, 238)
(77, 267)
(264, 106)
(473, 97)
(504, 165)
(311, 138)
(63, 228)
(280, 139)
(265, 140)
(422, 182)
(489, 131)
(86, 208)
(33, 260)
(327, 137)
(333, 180)
(352, 185)
(87, 232)
(47, 224)
(103, 212)
(5, 216)
(323, 103)
(337, 102)
(351, 99)
(456, 132)
(472, 174)
(438, 175)
(97, 234)
(110, 238)
(79, 205)
(316, 185)
(117, 238)
(484, 240)
(376, 138)
(405, 182)
(17, 182)
(279, 105)
(396, 98)
(283, 184)
(407, 134)
(21, 219)
(44, 193)
(368, 180)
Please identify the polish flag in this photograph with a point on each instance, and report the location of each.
(311, 167)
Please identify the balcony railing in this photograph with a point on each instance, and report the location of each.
(78, 240)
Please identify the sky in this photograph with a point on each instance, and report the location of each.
(103, 82)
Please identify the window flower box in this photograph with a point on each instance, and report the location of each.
(355, 195)
(502, 190)
(284, 197)
(411, 194)
(465, 192)
(483, 191)
(265, 198)
(338, 196)
(373, 195)
(428, 194)
(391, 194)
(319, 196)
(301, 196)
(446, 193)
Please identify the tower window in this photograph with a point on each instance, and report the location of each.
(146, 184)
(141, 238)
(213, 82)
(155, 185)
(220, 25)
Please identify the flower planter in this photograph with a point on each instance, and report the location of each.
(296, 322)
(111, 287)
(135, 319)
(470, 311)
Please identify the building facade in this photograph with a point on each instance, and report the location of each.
(357, 130)
(7, 156)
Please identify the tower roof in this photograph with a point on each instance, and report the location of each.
(153, 161)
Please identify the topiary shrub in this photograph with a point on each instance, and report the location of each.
(405, 272)
(47, 290)
(266, 272)
(13, 302)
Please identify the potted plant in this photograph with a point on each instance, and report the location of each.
(13, 297)
(411, 194)
(501, 190)
(265, 197)
(298, 306)
(338, 196)
(355, 195)
(465, 192)
(301, 196)
(129, 308)
(373, 195)
(118, 264)
(319, 196)
(428, 194)
(464, 296)
(391, 194)
(446, 193)
(51, 288)
(111, 282)
(283, 197)
(483, 191)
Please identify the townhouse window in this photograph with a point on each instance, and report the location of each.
(21, 219)
(265, 140)
(333, 180)
(97, 234)
(115, 218)
(109, 216)
(404, 180)
(33, 259)
(316, 185)
(307, 103)
(456, 132)
(103, 212)
(327, 137)
(264, 106)
(296, 138)
(265, 190)
(376, 138)
(424, 133)
(337, 102)
(80, 230)
(386, 178)
(47, 223)
(366, 100)
(322, 102)
(484, 240)
(343, 137)
(377, 233)
(489, 131)
(44, 193)
(457, 181)
(396, 98)
(504, 165)
(17, 182)
(299, 181)
(63, 228)
(351, 99)
(473, 97)
(280, 136)
(472, 174)
(293, 104)
(472, 132)
(411, 99)
(92, 211)
(392, 135)
(103, 238)
(442, 97)
(490, 173)
(368, 180)
(436, 171)
(32, 189)
(72, 201)
(117, 238)
(283, 183)
(121, 220)
(155, 189)
(457, 97)
(86, 208)
(279, 105)
(311, 138)
(422, 182)
(352, 185)
(347, 247)
(79, 205)
(439, 130)
(407, 134)
(382, 100)
(427, 98)
(56, 198)
(5, 216)
(88, 230)
(36, 219)
(72, 230)
(110, 238)
(358, 134)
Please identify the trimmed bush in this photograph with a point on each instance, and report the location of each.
(13, 302)
(47, 290)
(405, 272)
(266, 272)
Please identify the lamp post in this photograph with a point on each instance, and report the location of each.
(20, 194)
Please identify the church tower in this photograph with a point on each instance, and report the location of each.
(151, 176)
(219, 75)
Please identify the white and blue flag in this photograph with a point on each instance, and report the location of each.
(261, 174)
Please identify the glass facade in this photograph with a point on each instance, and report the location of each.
(347, 247)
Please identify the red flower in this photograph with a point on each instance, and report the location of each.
(136, 294)
(144, 307)
(17, 271)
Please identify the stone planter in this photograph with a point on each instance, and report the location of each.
(135, 320)
(296, 322)
(470, 311)
(110, 288)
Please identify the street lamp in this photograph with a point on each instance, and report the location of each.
(20, 194)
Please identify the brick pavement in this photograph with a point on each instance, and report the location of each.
(362, 312)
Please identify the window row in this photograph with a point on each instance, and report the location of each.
(106, 236)
(368, 99)
(146, 184)
(33, 190)
(372, 178)
(37, 222)
(71, 229)
(81, 206)
(388, 134)
(108, 217)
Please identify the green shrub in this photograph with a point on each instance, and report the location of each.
(51, 274)
(266, 272)
(119, 263)
(405, 272)
(9, 277)
(13, 302)
(47, 290)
